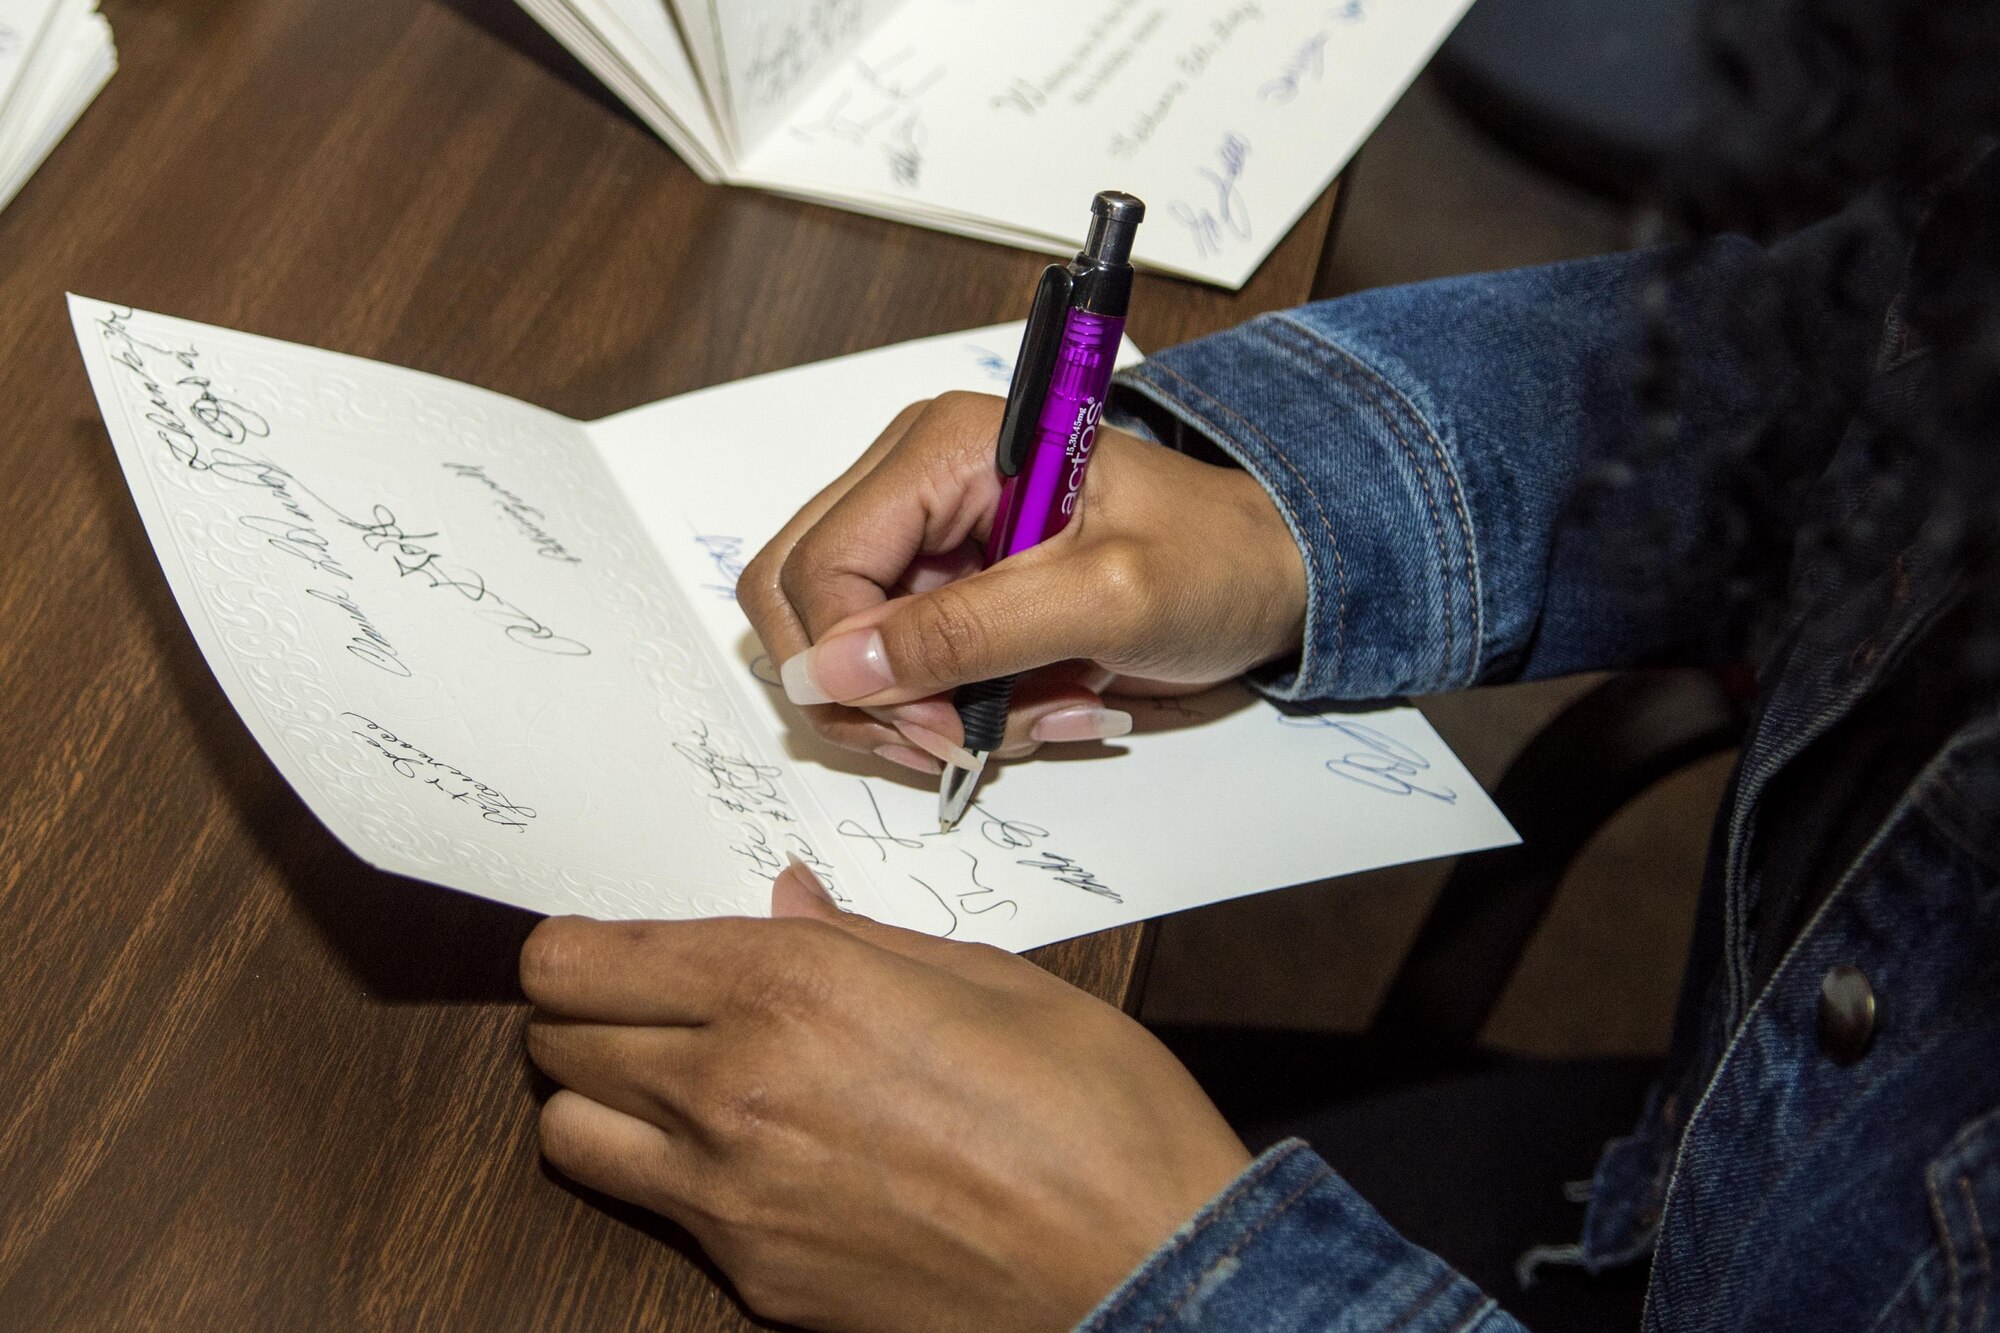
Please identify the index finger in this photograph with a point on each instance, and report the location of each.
(759, 591)
(659, 973)
(931, 495)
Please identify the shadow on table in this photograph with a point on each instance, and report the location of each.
(403, 940)
(506, 22)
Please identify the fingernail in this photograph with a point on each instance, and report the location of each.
(802, 873)
(930, 742)
(910, 758)
(847, 666)
(928, 578)
(1081, 724)
(930, 714)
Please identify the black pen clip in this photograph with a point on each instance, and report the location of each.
(1032, 368)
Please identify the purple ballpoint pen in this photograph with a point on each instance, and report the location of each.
(1053, 407)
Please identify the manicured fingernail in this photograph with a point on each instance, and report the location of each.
(1081, 724)
(911, 758)
(930, 714)
(1098, 680)
(847, 666)
(801, 873)
(930, 742)
(928, 578)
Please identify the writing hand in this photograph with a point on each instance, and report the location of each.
(1174, 575)
(868, 1128)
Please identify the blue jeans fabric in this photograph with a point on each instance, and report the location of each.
(1425, 445)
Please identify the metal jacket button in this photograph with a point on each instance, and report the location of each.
(1846, 1013)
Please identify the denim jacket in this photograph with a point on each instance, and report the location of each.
(1424, 445)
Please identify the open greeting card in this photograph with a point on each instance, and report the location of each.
(55, 56)
(498, 649)
(1001, 118)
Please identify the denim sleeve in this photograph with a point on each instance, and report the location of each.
(1289, 1248)
(1425, 445)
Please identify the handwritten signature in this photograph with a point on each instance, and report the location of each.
(749, 789)
(368, 643)
(974, 898)
(738, 783)
(879, 837)
(1008, 835)
(726, 554)
(881, 109)
(768, 858)
(789, 49)
(998, 368)
(221, 450)
(1227, 216)
(1064, 870)
(1308, 62)
(455, 784)
(1382, 764)
(383, 532)
(519, 512)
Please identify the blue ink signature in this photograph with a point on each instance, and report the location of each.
(726, 554)
(993, 365)
(1383, 763)
(1227, 216)
(1308, 62)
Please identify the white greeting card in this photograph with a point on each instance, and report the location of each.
(498, 649)
(55, 56)
(1002, 118)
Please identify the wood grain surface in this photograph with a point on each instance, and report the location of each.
(250, 1083)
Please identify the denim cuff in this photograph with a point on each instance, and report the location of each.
(1288, 1248)
(1367, 485)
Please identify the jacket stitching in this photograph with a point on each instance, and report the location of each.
(1194, 1283)
(1950, 1248)
(1737, 1036)
(1386, 391)
(1906, 1295)
(1319, 511)
(1222, 1206)
(1956, 820)
(1479, 1312)
(1387, 400)
(1439, 1285)
(1980, 1248)
(1388, 419)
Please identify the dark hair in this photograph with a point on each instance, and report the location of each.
(1811, 105)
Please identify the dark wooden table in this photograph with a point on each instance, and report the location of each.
(248, 1082)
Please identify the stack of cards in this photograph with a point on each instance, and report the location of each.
(54, 56)
(1001, 121)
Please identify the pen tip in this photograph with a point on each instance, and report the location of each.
(955, 792)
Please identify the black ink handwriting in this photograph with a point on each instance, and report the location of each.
(410, 761)
(368, 643)
(519, 512)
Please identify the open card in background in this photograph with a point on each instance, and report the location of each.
(1002, 118)
(55, 56)
(498, 649)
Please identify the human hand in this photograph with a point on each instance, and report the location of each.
(868, 1128)
(1174, 575)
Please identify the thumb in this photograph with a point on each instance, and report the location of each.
(797, 891)
(1043, 606)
